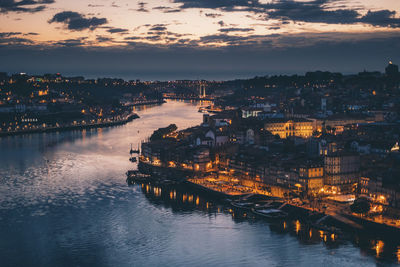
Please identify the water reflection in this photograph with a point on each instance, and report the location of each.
(398, 254)
(183, 199)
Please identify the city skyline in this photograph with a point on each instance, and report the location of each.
(197, 39)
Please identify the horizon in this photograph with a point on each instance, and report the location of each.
(189, 38)
(193, 77)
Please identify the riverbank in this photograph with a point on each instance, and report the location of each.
(143, 103)
(344, 221)
(81, 126)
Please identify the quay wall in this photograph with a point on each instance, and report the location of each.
(73, 127)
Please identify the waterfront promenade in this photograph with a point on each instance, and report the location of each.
(339, 211)
(119, 120)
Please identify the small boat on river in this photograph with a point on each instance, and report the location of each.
(134, 176)
(274, 214)
(242, 205)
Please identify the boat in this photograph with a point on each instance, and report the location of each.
(328, 229)
(135, 176)
(270, 204)
(270, 213)
(242, 205)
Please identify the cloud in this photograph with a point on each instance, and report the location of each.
(142, 7)
(13, 34)
(118, 30)
(227, 40)
(78, 22)
(158, 27)
(103, 39)
(381, 18)
(213, 15)
(130, 38)
(71, 42)
(312, 11)
(9, 34)
(213, 4)
(167, 9)
(91, 5)
(28, 6)
(236, 30)
(14, 41)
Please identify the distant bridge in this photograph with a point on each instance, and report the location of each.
(196, 98)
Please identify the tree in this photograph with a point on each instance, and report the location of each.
(162, 132)
(361, 206)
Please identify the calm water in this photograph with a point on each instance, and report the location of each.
(64, 202)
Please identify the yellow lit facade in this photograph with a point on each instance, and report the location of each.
(288, 128)
(312, 178)
(43, 92)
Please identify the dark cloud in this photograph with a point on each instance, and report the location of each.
(142, 7)
(382, 18)
(153, 38)
(14, 41)
(158, 28)
(167, 9)
(9, 34)
(314, 11)
(213, 15)
(132, 38)
(29, 6)
(78, 22)
(118, 30)
(71, 42)
(229, 40)
(236, 30)
(221, 4)
(103, 39)
(91, 5)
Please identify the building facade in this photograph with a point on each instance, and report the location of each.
(289, 127)
(342, 172)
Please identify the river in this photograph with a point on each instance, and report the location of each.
(64, 201)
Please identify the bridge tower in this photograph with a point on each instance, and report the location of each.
(202, 90)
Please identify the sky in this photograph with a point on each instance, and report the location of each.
(197, 39)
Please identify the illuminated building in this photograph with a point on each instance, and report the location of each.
(380, 190)
(341, 171)
(289, 127)
(311, 176)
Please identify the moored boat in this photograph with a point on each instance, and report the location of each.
(242, 205)
(270, 213)
(135, 176)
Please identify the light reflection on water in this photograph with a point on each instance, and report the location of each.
(64, 202)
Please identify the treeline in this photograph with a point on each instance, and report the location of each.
(162, 132)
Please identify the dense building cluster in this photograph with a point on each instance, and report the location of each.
(337, 135)
(38, 103)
